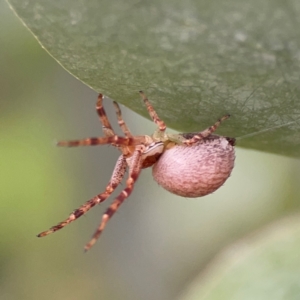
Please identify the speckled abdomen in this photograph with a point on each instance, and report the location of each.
(196, 170)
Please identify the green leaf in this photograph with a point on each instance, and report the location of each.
(197, 60)
(264, 266)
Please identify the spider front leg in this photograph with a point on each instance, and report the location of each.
(121, 122)
(160, 123)
(206, 132)
(94, 141)
(115, 180)
(106, 126)
(134, 171)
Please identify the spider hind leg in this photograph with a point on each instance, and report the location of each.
(206, 132)
(115, 180)
(134, 172)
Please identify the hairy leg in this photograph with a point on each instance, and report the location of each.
(134, 171)
(106, 127)
(206, 132)
(121, 122)
(160, 123)
(115, 180)
(114, 140)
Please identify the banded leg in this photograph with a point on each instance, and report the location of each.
(106, 126)
(115, 180)
(134, 172)
(114, 140)
(206, 132)
(160, 123)
(121, 122)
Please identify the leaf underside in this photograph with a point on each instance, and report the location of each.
(197, 60)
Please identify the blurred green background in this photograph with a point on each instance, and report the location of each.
(156, 244)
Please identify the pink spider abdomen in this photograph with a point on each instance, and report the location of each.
(196, 170)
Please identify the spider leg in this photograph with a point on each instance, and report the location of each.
(206, 132)
(115, 180)
(121, 122)
(114, 140)
(134, 171)
(106, 126)
(160, 123)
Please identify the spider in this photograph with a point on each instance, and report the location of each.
(186, 164)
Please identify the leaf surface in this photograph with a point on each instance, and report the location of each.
(197, 60)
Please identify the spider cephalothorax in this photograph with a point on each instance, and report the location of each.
(187, 164)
